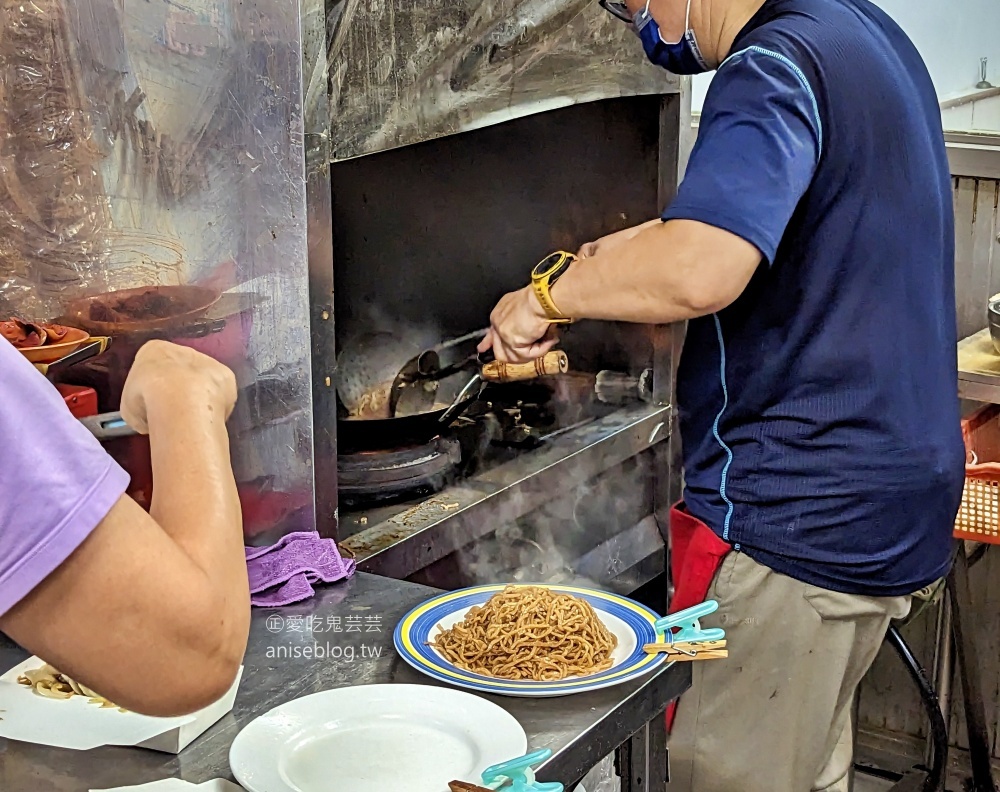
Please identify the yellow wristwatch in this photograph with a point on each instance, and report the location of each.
(543, 278)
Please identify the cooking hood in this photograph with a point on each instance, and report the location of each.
(410, 71)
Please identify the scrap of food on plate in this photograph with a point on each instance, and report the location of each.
(23, 335)
(30, 335)
(49, 682)
(529, 633)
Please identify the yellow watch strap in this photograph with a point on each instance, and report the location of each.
(541, 283)
(554, 315)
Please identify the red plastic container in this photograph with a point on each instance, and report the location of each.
(979, 515)
(82, 402)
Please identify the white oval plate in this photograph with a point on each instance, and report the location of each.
(374, 738)
(631, 623)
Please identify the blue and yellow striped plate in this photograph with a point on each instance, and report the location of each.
(631, 623)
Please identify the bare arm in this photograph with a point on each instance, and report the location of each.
(656, 273)
(152, 611)
(668, 272)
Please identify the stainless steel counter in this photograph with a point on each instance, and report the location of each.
(353, 622)
(979, 369)
(404, 541)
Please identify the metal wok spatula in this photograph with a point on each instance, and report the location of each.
(548, 364)
(415, 388)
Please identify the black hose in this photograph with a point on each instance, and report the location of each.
(939, 729)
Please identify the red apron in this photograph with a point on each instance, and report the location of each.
(696, 554)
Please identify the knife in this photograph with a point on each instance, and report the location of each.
(93, 347)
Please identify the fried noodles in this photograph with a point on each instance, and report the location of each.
(50, 683)
(529, 633)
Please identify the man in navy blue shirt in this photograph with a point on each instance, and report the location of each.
(810, 248)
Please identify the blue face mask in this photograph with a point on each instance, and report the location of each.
(683, 57)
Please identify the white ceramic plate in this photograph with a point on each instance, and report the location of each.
(374, 738)
(631, 623)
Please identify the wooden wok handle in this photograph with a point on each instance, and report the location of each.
(545, 366)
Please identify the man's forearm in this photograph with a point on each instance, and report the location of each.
(668, 272)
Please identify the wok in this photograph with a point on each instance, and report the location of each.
(372, 366)
(370, 434)
(384, 353)
(367, 367)
(377, 434)
(179, 304)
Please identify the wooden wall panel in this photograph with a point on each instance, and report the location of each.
(975, 250)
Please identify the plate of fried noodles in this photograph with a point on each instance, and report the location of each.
(529, 640)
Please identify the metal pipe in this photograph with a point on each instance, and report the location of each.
(943, 666)
(939, 729)
(966, 658)
(855, 716)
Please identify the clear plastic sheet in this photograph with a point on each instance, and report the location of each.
(53, 214)
(160, 144)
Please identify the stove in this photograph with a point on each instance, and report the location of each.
(508, 421)
(369, 478)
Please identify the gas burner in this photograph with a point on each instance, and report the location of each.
(373, 477)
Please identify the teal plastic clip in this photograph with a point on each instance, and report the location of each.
(687, 625)
(514, 770)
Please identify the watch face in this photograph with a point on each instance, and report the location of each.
(549, 263)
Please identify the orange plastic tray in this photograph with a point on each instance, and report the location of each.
(979, 515)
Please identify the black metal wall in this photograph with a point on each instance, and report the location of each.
(428, 237)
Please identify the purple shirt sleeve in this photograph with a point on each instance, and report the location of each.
(56, 481)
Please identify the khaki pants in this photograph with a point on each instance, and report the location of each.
(776, 715)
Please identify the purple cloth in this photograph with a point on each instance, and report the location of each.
(56, 481)
(285, 572)
(295, 590)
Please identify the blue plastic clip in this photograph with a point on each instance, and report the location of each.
(689, 627)
(514, 771)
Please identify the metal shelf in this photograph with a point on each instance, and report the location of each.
(459, 515)
(979, 369)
